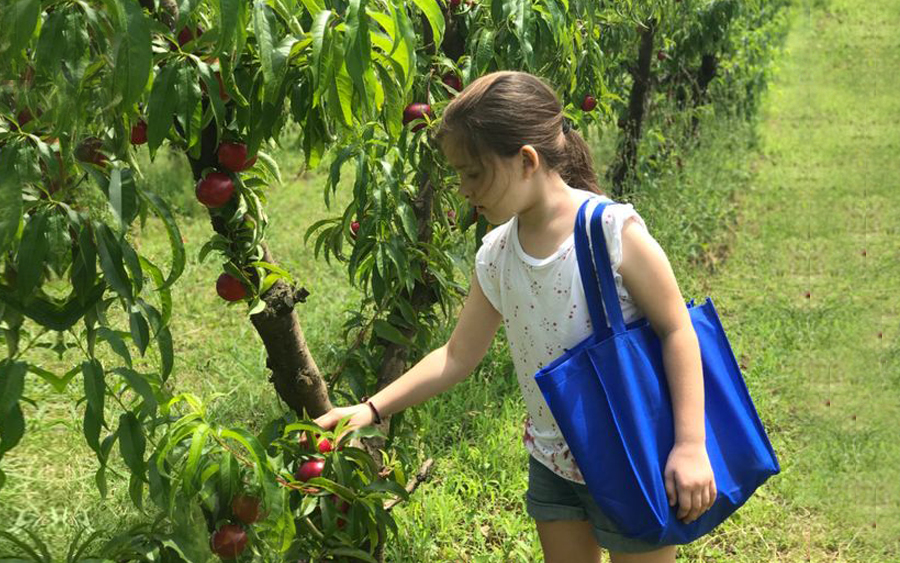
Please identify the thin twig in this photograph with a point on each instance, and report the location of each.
(414, 483)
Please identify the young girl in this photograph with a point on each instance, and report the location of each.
(524, 168)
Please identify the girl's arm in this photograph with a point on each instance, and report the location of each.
(438, 371)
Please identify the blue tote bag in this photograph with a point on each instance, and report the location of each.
(610, 398)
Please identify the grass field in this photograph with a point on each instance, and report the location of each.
(759, 215)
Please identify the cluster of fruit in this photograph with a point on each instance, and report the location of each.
(230, 540)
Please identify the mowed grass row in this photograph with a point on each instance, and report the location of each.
(749, 220)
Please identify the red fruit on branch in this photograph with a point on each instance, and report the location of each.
(246, 508)
(230, 288)
(455, 4)
(325, 446)
(215, 190)
(229, 541)
(139, 133)
(89, 151)
(589, 103)
(416, 111)
(354, 228)
(310, 469)
(185, 36)
(24, 117)
(453, 81)
(661, 55)
(233, 156)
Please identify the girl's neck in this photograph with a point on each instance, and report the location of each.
(552, 204)
(547, 223)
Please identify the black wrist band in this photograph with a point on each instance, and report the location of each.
(374, 410)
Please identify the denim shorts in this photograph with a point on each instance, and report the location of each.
(551, 497)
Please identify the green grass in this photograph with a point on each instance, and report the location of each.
(755, 218)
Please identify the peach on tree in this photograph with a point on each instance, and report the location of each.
(233, 156)
(229, 541)
(215, 190)
(416, 111)
(230, 288)
(246, 508)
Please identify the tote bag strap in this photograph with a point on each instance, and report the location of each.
(589, 267)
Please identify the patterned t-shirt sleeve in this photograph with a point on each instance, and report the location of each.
(486, 271)
(614, 218)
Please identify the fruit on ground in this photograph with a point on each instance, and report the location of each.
(246, 508)
(139, 133)
(233, 156)
(215, 190)
(229, 541)
(310, 469)
(453, 81)
(416, 111)
(589, 103)
(230, 288)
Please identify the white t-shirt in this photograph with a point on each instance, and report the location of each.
(545, 313)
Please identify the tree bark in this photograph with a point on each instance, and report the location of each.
(295, 375)
(627, 154)
(705, 74)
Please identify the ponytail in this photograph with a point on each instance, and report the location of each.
(578, 168)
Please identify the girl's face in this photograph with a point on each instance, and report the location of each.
(486, 183)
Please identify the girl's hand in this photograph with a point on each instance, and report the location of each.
(690, 481)
(360, 415)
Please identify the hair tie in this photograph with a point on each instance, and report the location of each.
(566, 125)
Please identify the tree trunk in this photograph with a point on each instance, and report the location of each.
(295, 374)
(627, 153)
(705, 75)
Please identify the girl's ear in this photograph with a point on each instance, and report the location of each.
(531, 160)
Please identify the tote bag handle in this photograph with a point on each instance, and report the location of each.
(589, 272)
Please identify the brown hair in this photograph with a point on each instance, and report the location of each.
(504, 110)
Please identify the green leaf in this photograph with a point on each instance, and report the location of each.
(115, 342)
(136, 490)
(250, 442)
(198, 440)
(321, 53)
(140, 332)
(432, 11)
(358, 46)
(111, 261)
(12, 428)
(313, 6)
(10, 197)
(19, 20)
(51, 43)
(161, 107)
(32, 254)
(166, 352)
(59, 383)
(92, 424)
(12, 382)
(132, 443)
(229, 11)
(262, 27)
(162, 210)
(218, 106)
(133, 56)
(94, 385)
(388, 332)
(142, 387)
